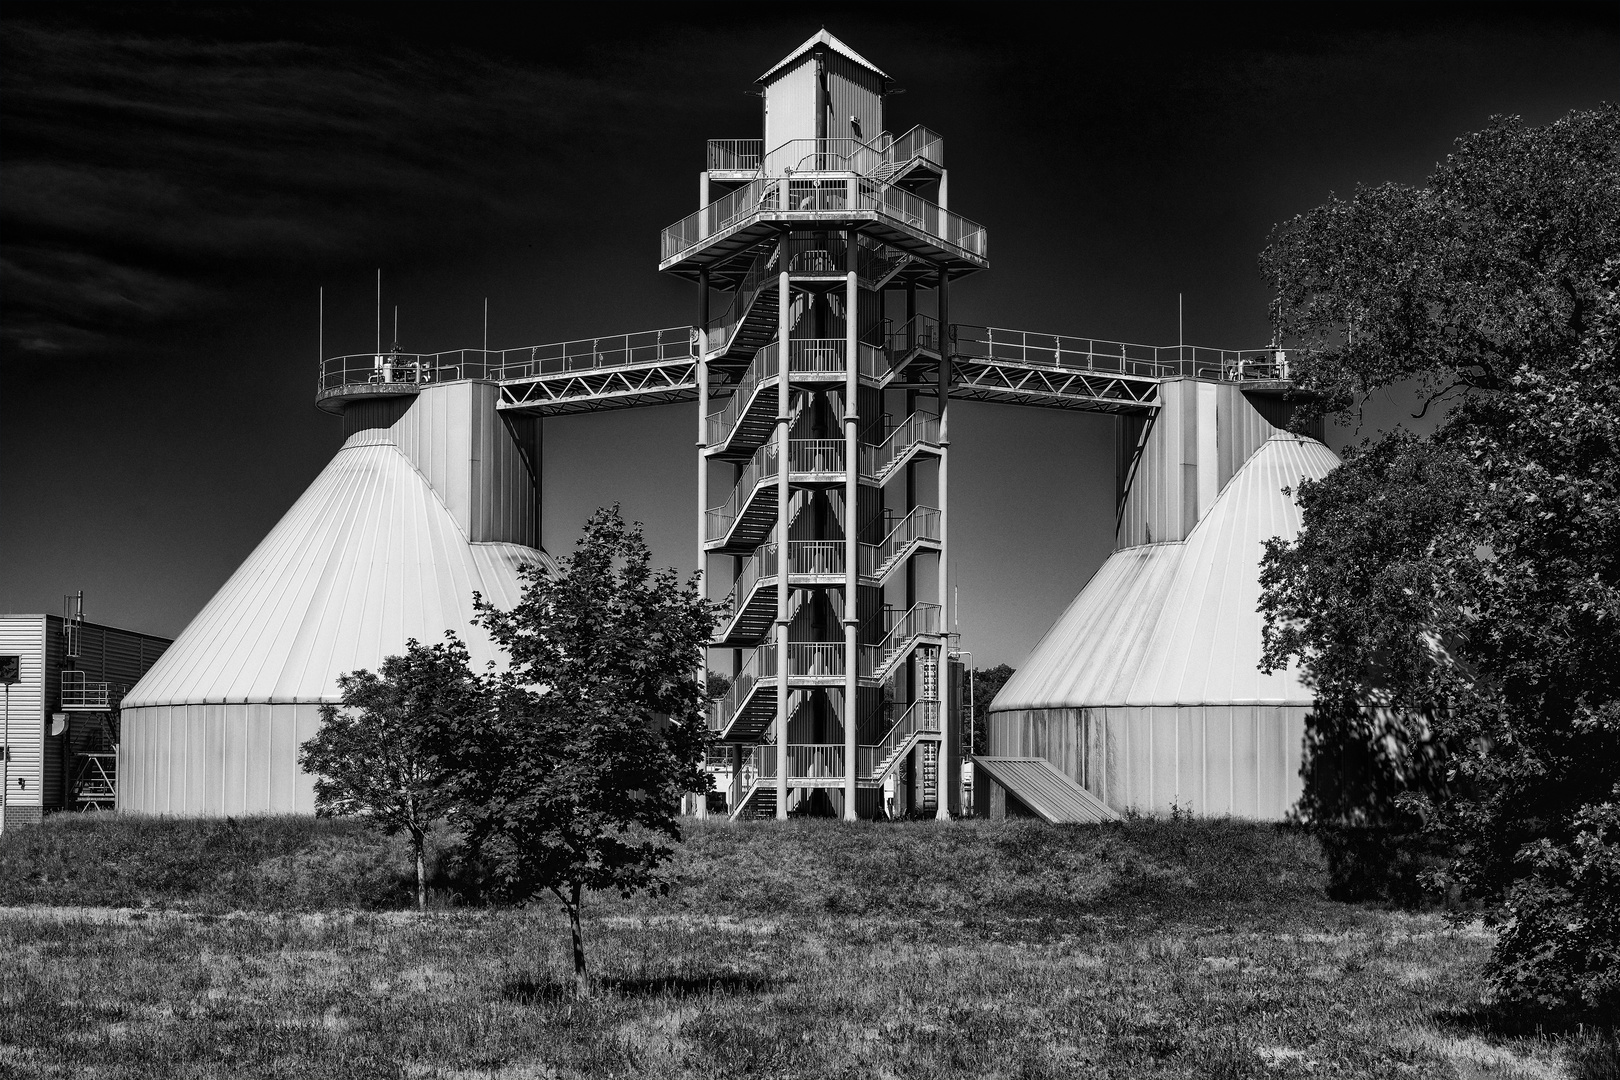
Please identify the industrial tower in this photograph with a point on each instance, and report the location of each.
(823, 255)
(822, 365)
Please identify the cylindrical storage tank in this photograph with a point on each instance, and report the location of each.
(1147, 690)
(429, 501)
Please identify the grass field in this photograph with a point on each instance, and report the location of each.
(274, 948)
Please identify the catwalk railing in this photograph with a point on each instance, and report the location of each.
(507, 365)
(773, 197)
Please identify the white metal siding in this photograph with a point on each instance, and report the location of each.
(853, 91)
(24, 636)
(216, 760)
(1238, 760)
(790, 109)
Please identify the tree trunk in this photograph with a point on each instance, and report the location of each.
(419, 844)
(582, 988)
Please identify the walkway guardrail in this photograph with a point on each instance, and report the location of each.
(772, 195)
(1024, 348)
(530, 362)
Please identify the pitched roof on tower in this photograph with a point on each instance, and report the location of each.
(822, 37)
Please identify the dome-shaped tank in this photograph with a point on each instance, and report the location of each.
(423, 506)
(1147, 690)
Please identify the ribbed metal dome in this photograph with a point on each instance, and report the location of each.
(1176, 624)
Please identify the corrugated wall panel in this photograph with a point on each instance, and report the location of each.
(214, 760)
(853, 91)
(24, 636)
(1241, 760)
(790, 113)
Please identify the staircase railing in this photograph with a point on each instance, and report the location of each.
(921, 524)
(872, 759)
(918, 332)
(758, 277)
(816, 455)
(919, 427)
(919, 619)
(721, 518)
(760, 664)
(876, 261)
(818, 557)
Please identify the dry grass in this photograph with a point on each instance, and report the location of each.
(803, 950)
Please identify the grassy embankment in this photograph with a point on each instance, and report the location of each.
(1198, 949)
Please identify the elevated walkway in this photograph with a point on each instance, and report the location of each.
(1048, 793)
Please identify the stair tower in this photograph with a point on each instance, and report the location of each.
(824, 255)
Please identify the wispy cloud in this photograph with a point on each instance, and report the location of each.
(141, 172)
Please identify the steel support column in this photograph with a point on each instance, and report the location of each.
(702, 349)
(942, 770)
(852, 481)
(783, 419)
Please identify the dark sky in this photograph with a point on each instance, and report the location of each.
(178, 180)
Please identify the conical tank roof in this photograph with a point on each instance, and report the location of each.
(369, 556)
(1176, 623)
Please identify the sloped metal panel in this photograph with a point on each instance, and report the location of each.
(368, 557)
(1093, 652)
(821, 37)
(1176, 624)
(1056, 798)
(1205, 647)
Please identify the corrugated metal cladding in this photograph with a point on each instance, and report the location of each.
(1147, 690)
(1241, 760)
(853, 91)
(790, 113)
(108, 654)
(216, 760)
(1201, 435)
(379, 549)
(23, 636)
(1175, 624)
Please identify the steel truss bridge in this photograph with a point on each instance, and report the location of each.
(659, 367)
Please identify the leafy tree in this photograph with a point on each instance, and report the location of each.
(987, 683)
(573, 780)
(1455, 599)
(375, 755)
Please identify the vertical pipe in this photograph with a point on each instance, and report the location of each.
(947, 749)
(852, 384)
(702, 344)
(783, 411)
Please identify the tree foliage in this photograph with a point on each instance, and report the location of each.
(987, 683)
(573, 779)
(1455, 599)
(376, 755)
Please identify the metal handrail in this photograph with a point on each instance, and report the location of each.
(918, 619)
(506, 365)
(823, 558)
(806, 356)
(918, 332)
(79, 693)
(772, 195)
(1063, 352)
(761, 465)
(921, 524)
(742, 300)
(815, 760)
(735, 155)
(919, 427)
(815, 658)
(816, 455)
(921, 716)
(761, 664)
